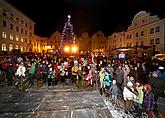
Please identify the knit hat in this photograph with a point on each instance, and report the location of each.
(114, 82)
(148, 86)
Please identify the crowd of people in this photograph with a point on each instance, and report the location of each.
(141, 83)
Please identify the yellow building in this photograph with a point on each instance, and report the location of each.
(116, 40)
(146, 30)
(54, 41)
(16, 29)
(99, 42)
(84, 43)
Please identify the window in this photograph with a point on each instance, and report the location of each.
(4, 47)
(151, 41)
(143, 21)
(59, 41)
(26, 32)
(30, 34)
(137, 34)
(11, 16)
(4, 23)
(50, 41)
(152, 30)
(17, 29)
(4, 12)
(10, 47)
(157, 40)
(142, 33)
(17, 19)
(130, 36)
(21, 39)
(30, 42)
(22, 21)
(136, 43)
(4, 35)
(142, 43)
(11, 37)
(25, 24)
(21, 47)
(30, 26)
(17, 38)
(11, 26)
(55, 41)
(157, 29)
(25, 40)
(21, 30)
(16, 46)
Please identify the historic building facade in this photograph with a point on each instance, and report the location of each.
(84, 42)
(99, 42)
(16, 29)
(145, 30)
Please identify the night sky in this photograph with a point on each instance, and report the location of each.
(87, 15)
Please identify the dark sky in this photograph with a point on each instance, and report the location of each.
(87, 15)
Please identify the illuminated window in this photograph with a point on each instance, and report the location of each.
(4, 47)
(157, 40)
(21, 39)
(16, 46)
(152, 30)
(11, 37)
(17, 38)
(4, 35)
(21, 48)
(10, 47)
(151, 41)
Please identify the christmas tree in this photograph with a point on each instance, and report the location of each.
(67, 34)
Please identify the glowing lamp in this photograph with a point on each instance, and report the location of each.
(74, 49)
(66, 49)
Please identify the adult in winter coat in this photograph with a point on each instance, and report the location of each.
(31, 73)
(119, 76)
(129, 96)
(21, 70)
(138, 101)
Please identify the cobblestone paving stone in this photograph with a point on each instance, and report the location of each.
(52, 102)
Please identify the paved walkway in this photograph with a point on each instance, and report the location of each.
(61, 102)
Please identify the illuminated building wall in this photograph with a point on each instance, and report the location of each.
(16, 29)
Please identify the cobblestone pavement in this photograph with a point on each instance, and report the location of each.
(52, 102)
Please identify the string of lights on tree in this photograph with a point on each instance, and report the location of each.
(67, 33)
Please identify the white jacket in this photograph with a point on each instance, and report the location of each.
(21, 71)
(128, 95)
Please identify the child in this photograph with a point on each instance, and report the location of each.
(107, 82)
(114, 90)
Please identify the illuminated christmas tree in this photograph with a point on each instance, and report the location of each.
(68, 34)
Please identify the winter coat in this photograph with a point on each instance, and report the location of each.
(128, 95)
(140, 96)
(114, 89)
(33, 68)
(21, 71)
(149, 101)
(119, 75)
(107, 79)
(101, 76)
